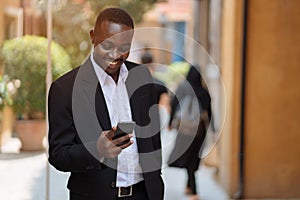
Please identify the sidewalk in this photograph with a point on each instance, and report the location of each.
(175, 178)
(23, 177)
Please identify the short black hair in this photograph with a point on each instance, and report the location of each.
(146, 58)
(116, 15)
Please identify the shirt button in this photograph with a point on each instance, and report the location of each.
(113, 184)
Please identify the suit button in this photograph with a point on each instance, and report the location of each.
(113, 184)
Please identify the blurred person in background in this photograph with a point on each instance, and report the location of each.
(188, 146)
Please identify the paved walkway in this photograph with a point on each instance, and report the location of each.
(23, 176)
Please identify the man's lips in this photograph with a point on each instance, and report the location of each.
(115, 62)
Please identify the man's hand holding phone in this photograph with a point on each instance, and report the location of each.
(123, 129)
(111, 142)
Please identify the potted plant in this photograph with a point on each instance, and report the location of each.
(25, 58)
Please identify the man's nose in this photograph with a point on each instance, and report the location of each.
(114, 53)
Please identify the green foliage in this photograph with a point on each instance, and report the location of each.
(25, 58)
(71, 27)
(136, 8)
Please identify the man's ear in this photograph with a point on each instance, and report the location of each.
(92, 35)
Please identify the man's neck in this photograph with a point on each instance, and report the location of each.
(115, 76)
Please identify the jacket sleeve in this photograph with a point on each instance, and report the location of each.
(66, 151)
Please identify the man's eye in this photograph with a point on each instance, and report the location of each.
(106, 46)
(125, 48)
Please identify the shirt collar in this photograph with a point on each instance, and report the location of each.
(102, 75)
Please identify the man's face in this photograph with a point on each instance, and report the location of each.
(112, 43)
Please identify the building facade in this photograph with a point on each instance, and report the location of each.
(260, 67)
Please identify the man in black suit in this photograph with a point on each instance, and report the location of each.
(84, 107)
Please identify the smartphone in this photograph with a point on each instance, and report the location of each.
(124, 128)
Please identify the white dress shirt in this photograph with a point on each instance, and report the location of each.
(117, 101)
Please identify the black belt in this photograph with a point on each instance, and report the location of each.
(130, 190)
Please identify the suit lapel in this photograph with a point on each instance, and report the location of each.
(134, 99)
(101, 109)
(92, 89)
(139, 101)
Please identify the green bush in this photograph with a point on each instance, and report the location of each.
(25, 58)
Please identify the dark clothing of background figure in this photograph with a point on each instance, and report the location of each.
(71, 152)
(160, 88)
(189, 146)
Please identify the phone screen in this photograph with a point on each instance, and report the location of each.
(124, 128)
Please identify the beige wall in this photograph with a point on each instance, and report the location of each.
(3, 5)
(272, 164)
(272, 111)
(231, 58)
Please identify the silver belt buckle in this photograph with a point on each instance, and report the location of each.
(123, 191)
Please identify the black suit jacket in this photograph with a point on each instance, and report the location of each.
(78, 114)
